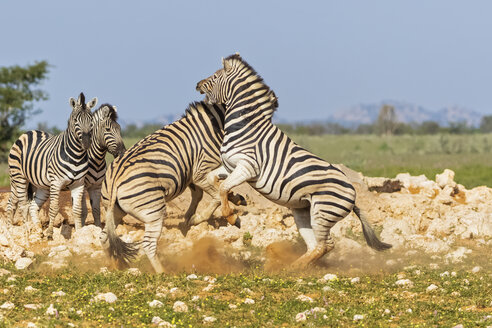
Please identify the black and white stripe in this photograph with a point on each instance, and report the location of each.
(256, 151)
(47, 164)
(157, 169)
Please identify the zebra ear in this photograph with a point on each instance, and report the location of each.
(72, 102)
(91, 104)
(227, 65)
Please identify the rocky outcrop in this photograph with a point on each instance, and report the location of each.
(410, 212)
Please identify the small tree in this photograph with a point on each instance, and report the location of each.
(486, 124)
(387, 123)
(17, 95)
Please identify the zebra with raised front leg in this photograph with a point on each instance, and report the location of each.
(256, 151)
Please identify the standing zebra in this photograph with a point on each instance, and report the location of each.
(106, 136)
(156, 170)
(256, 151)
(48, 163)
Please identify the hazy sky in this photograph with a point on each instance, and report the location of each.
(146, 57)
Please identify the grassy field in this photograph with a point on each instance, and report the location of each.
(470, 156)
(254, 298)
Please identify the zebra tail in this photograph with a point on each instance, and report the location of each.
(123, 252)
(371, 238)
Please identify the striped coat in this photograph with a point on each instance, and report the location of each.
(47, 164)
(156, 170)
(256, 151)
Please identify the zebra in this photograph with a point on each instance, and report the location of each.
(48, 163)
(106, 136)
(159, 168)
(256, 151)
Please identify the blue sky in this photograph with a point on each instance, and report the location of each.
(146, 57)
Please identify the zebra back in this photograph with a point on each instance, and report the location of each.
(168, 159)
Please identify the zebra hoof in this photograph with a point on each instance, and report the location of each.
(238, 223)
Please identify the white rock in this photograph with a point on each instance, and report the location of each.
(7, 306)
(446, 178)
(32, 306)
(318, 310)
(301, 317)
(358, 317)
(162, 323)
(249, 301)
(4, 240)
(58, 293)
(457, 256)
(476, 269)
(330, 277)
(209, 319)
(209, 279)
(51, 310)
(4, 272)
(355, 280)
(173, 290)
(179, 306)
(106, 297)
(328, 289)
(387, 311)
(156, 303)
(304, 298)
(23, 263)
(31, 325)
(431, 288)
(192, 277)
(195, 298)
(444, 274)
(409, 311)
(232, 306)
(30, 289)
(134, 271)
(208, 288)
(404, 283)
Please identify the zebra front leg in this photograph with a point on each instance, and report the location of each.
(243, 172)
(95, 198)
(35, 205)
(196, 197)
(85, 211)
(55, 189)
(77, 195)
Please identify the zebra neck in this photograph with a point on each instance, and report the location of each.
(97, 154)
(243, 117)
(73, 145)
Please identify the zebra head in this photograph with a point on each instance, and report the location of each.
(217, 87)
(234, 81)
(80, 122)
(107, 132)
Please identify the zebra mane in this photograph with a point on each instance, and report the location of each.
(113, 113)
(269, 91)
(196, 105)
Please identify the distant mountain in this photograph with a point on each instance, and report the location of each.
(405, 113)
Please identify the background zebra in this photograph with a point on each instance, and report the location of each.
(156, 170)
(46, 164)
(256, 151)
(106, 136)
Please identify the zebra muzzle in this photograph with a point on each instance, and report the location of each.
(86, 140)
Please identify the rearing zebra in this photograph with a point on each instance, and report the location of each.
(159, 168)
(106, 136)
(256, 151)
(50, 163)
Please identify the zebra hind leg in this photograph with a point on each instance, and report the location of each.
(54, 208)
(322, 220)
(149, 243)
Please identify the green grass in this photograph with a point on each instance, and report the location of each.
(470, 156)
(275, 297)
